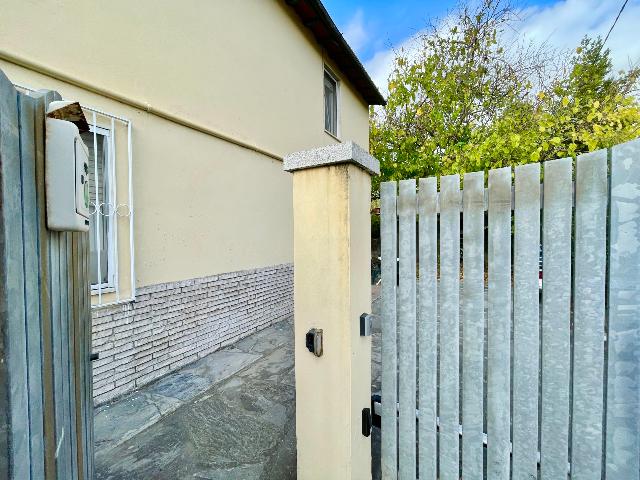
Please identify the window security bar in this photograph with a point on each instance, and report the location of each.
(105, 209)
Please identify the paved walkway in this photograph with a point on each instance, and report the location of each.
(229, 416)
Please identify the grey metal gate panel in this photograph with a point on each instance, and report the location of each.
(407, 329)
(472, 325)
(448, 336)
(556, 320)
(623, 379)
(45, 372)
(427, 323)
(560, 395)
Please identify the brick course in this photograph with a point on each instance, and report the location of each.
(172, 324)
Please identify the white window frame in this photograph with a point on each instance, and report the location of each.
(129, 208)
(109, 285)
(327, 71)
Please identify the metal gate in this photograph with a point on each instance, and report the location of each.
(511, 322)
(46, 406)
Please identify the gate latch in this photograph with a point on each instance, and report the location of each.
(371, 416)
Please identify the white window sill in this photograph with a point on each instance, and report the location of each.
(333, 136)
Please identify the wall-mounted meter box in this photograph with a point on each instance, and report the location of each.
(66, 168)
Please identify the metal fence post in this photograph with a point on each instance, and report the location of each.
(332, 250)
(46, 404)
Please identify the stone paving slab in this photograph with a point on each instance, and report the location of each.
(230, 415)
(125, 419)
(191, 381)
(265, 340)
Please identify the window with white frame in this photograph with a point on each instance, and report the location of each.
(112, 262)
(330, 103)
(101, 208)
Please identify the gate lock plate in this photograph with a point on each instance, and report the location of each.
(313, 341)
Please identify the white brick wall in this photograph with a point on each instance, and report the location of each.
(172, 324)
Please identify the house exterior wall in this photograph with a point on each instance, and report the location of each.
(203, 206)
(263, 84)
(173, 324)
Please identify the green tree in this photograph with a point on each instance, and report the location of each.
(467, 102)
(589, 108)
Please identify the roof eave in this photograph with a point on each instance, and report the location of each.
(315, 17)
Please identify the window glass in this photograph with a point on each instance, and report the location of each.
(100, 208)
(330, 104)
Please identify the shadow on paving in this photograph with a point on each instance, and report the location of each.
(228, 416)
(231, 415)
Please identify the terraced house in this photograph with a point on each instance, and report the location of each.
(191, 106)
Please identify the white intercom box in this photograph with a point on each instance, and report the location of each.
(66, 174)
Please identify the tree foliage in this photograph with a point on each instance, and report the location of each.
(470, 100)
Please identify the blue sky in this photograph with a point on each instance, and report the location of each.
(375, 28)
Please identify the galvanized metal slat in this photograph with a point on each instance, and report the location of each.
(623, 382)
(72, 341)
(556, 302)
(85, 402)
(76, 368)
(388, 252)
(499, 325)
(526, 321)
(71, 345)
(31, 282)
(41, 101)
(12, 295)
(407, 330)
(67, 372)
(58, 291)
(78, 417)
(41, 291)
(88, 367)
(449, 336)
(473, 324)
(62, 466)
(588, 346)
(427, 327)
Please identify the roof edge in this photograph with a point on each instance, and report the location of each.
(315, 17)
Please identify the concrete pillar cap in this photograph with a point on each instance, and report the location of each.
(346, 152)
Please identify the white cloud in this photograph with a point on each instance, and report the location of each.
(355, 33)
(381, 64)
(561, 25)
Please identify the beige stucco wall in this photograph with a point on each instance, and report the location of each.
(247, 69)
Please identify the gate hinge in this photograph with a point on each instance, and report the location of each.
(366, 422)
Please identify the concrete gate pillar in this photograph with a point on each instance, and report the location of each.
(332, 261)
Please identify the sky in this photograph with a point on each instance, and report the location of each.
(375, 29)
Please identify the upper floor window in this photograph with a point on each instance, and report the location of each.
(330, 104)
